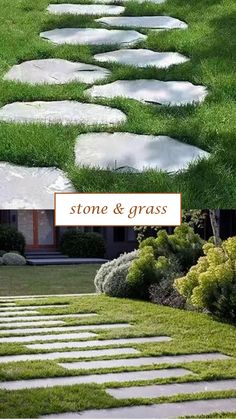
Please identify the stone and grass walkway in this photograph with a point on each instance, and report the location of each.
(145, 360)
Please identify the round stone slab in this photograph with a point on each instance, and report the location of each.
(90, 36)
(55, 71)
(63, 112)
(85, 9)
(123, 149)
(142, 58)
(31, 187)
(152, 22)
(172, 93)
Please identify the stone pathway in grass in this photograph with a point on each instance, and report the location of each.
(150, 22)
(26, 308)
(85, 9)
(95, 360)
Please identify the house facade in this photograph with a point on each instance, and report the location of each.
(40, 232)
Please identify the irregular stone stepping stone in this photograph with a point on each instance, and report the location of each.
(142, 58)
(139, 362)
(46, 317)
(85, 9)
(167, 390)
(157, 411)
(31, 187)
(96, 378)
(61, 337)
(90, 36)
(152, 22)
(67, 355)
(97, 343)
(63, 329)
(34, 323)
(140, 152)
(55, 71)
(62, 112)
(172, 93)
(26, 308)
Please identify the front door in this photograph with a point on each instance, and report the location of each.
(38, 228)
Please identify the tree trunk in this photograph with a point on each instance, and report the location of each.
(215, 225)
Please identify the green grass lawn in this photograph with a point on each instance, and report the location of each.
(36, 280)
(191, 333)
(209, 42)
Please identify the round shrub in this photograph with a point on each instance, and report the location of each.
(211, 283)
(76, 243)
(2, 252)
(1, 260)
(111, 277)
(13, 259)
(11, 239)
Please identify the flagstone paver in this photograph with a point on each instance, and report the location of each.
(55, 71)
(68, 355)
(54, 337)
(157, 411)
(46, 317)
(167, 390)
(152, 22)
(85, 9)
(92, 36)
(139, 362)
(112, 151)
(29, 323)
(32, 331)
(142, 58)
(64, 112)
(20, 313)
(26, 308)
(96, 378)
(31, 187)
(172, 93)
(98, 343)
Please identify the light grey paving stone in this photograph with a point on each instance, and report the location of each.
(156, 411)
(92, 36)
(7, 305)
(172, 93)
(46, 317)
(47, 323)
(152, 22)
(31, 187)
(167, 390)
(18, 313)
(98, 343)
(142, 58)
(142, 361)
(35, 338)
(62, 112)
(140, 152)
(85, 9)
(30, 308)
(68, 355)
(55, 71)
(32, 331)
(96, 378)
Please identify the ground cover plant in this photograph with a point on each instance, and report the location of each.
(209, 42)
(37, 280)
(191, 333)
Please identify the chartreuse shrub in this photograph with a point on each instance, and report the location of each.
(76, 243)
(11, 240)
(211, 283)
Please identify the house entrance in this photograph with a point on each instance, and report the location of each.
(38, 228)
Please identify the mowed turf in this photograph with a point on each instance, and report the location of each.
(191, 333)
(209, 42)
(38, 280)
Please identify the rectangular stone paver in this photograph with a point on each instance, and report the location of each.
(167, 390)
(17, 313)
(156, 411)
(45, 317)
(61, 336)
(96, 378)
(97, 343)
(31, 331)
(34, 323)
(26, 308)
(68, 355)
(138, 362)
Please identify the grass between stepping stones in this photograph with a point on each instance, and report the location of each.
(191, 333)
(209, 42)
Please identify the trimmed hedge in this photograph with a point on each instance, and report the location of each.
(11, 240)
(76, 243)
